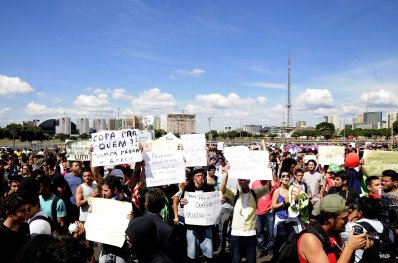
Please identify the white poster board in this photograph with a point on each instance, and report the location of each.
(108, 221)
(331, 154)
(161, 145)
(308, 157)
(194, 149)
(78, 150)
(247, 164)
(220, 146)
(202, 208)
(164, 167)
(115, 147)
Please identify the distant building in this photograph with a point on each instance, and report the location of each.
(99, 124)
(83, 125)
(375, 119)
(64, 126)
(335, 120)
(157, 123)
(301, 124)
(391, 118)
(181, 123)
(271, 129)
(227, 128)
(163, 122)
(253, 129)
(51, 126)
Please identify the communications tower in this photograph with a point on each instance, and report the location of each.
(289, 96)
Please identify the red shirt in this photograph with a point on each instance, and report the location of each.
(265, 202)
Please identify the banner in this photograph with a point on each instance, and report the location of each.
(375, 162)
(202, 208)
(246, 164)
(194, 149)
(108, 221)
(331, 154)
(115, 147)
(78, 150)
(164, 167)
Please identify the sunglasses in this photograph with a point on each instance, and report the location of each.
(285, 176)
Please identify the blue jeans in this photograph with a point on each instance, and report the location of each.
(199, 239)
(267, 221)
(243, 245)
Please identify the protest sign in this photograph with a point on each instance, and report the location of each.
(375, 162)
(308, 157)
(331, 154)
(164, 167)
(107, 221)
(246, 164)
(202, 209)
(78, 150)
(220, 146)
(194, 149)
(161, 145)
(115, 147)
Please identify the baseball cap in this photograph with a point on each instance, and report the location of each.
(197, 169)
(117, 173)
(332, 203)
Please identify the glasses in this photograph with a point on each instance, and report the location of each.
(285, 176)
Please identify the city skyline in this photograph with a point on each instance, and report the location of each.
(225, 60)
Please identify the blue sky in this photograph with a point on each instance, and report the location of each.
(224, 59)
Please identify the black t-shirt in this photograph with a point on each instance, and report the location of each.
(11, 241)
(350, 195)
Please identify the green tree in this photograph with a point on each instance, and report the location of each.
(395, 127)
(84, 136)
(223, 135)
(232, 134)
(325, 129)
(296, 134)
(159, 133)
(214, 134)
(272, 135)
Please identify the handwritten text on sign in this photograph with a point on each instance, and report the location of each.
(378, 161)
(115, 147)
(247, 164)
(107, 221)
(78, 150)
(164, 167)
(331, 154)
(202, 208)
(194, 149)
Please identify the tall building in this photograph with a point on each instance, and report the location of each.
(373, 118)
(83, 125)
(181, 123)
(99, 124)
(157, 123)
(300, 124)
(360, 118)
(128, 122)
(163, 122)
(391, 118)
(254, 129)
(335, 119)
(114, 124)
(64, 126)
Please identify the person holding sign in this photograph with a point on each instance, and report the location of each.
(198, 237)
(243, 234)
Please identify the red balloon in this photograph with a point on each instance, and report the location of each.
(352, 160)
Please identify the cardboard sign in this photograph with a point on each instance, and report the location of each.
(331, 154)
(78, 150)
(246, 164)
(375, 162)
(202, 208)
(115, 147)
(164, 167)
(108, 221)
(194, 149)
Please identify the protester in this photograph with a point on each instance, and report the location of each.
(315, 181)
(83, 193)
(389, 185)
(39, 222)
(74, 180)
(341, 187)
(373, 184)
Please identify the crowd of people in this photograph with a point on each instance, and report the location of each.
(308, 212)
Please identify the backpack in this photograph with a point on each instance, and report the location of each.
(237, 196)
(45, 218)
(382, 251)
(288, 253)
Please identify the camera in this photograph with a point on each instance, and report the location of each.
(373, 236)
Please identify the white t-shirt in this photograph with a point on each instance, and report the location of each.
(39, 226)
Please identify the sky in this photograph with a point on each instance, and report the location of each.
(222, 59)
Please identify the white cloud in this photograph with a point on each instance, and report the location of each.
(231, 100)
(13, 86)
(312, 99)
(262, 100)
(120, 94)
(92, 101)
(41, 94)
(266, 85)
(56, 100)
(379, 98)
(194, 72)
(3, 111)
(153, 101)
(35, 109)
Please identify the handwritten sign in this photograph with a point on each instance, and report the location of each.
(161, 145)
(202, 208)
(246, 164)
(107, 221)
(78, 150)
(164, 167)
(194, 149)
(308, 157)
(220, 146)
(331, 154)
(378, 161)
(115, 147)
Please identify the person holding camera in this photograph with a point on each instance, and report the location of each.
(381, 238)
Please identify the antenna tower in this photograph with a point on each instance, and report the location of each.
(289, 96)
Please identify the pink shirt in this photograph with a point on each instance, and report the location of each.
(265, 202)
